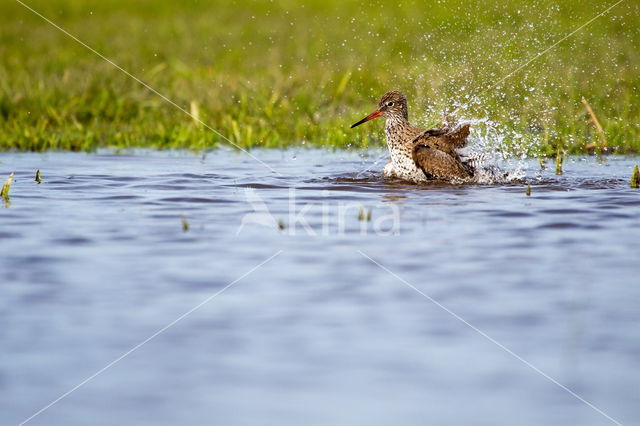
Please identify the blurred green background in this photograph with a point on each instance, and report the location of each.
(277, 73)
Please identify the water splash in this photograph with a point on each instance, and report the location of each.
(373, 167)
(499, 155)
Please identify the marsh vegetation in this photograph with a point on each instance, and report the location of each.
(276, 74)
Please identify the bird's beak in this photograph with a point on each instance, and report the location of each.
(371, 116)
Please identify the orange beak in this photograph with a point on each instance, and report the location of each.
(371, 116)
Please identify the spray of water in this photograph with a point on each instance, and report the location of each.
(498, 154)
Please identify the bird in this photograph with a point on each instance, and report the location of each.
(420, 155)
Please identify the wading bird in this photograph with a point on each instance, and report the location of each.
(420, 155)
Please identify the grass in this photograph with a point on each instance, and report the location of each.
(635, 177)
(6, 187)
(283, 73)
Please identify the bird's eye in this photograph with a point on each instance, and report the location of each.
(389, 104)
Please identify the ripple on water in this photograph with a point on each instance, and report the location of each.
(117, 197)
(255, 185)
(569, 225)
(71, 241)
(196, 200)
(154, 186)
(7, 235)
(508, 213)
(565, 211)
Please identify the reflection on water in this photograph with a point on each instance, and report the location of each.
(95, 259)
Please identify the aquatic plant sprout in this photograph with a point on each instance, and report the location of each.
(6, 187)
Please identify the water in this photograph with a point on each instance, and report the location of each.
(94, 261)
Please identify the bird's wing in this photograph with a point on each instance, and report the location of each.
(437, 164)
(446, 139)
(458, 135)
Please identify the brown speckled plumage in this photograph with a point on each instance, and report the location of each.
(420, 155)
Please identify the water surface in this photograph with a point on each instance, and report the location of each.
(95, 260)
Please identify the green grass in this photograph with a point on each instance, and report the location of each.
(279, 73)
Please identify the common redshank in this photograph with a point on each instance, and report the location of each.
(420, 155)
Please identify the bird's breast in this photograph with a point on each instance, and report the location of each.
(399, 137)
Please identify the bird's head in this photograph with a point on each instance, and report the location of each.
(392, 105)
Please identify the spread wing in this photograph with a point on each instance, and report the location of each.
(434, 152)
(446, 139)
(458, 135)
(438, 164)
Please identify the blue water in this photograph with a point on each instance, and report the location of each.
(95, 260)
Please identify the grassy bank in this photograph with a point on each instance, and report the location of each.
(279, 73)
